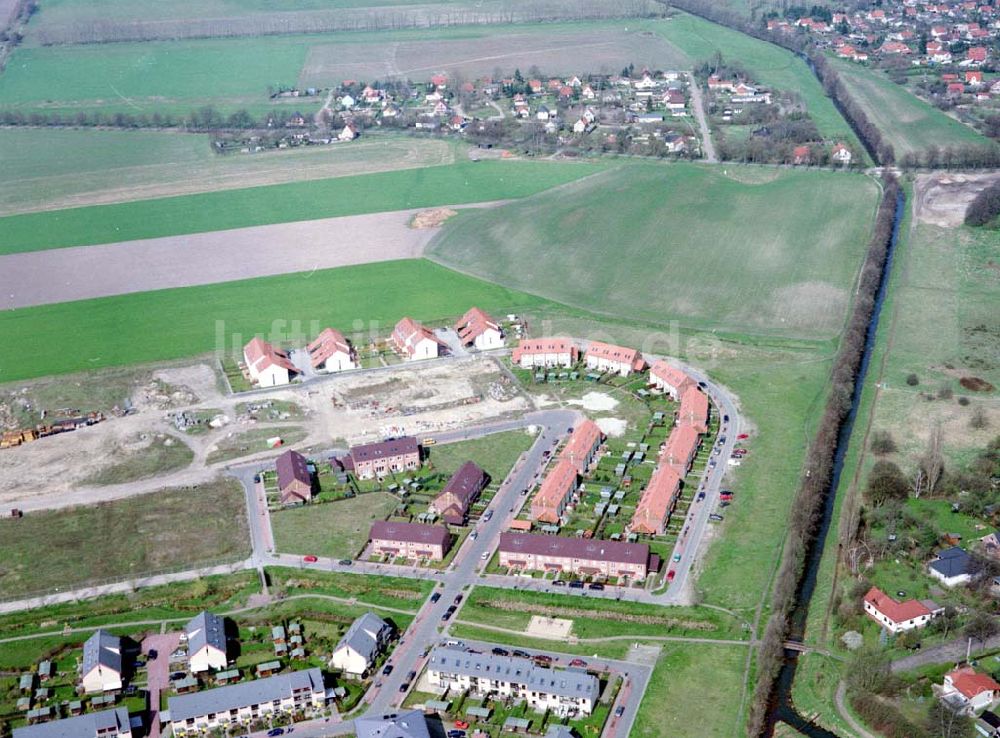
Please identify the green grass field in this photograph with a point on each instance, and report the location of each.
(910, 124)
(174, 528)
(167, 324)
(694, 692)
(756, 251)
(47, 169)
(337, 529)
(411, 188)
(495, 453)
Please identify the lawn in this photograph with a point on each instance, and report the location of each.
(171, 529)
(458, 183)
(910, 124)
(168, 324)
(592, 618)
(495, 453)
(46, 169)
(385, 591)
(638, 241)
(336, 529)
(704, 678)
(164, 454)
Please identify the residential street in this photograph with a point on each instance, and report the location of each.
(698, 105)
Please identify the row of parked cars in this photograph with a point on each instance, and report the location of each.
(577, 584)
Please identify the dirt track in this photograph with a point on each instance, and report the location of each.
(942, 197)
(78, 273)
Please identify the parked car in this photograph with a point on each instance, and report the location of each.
(275, 732)
(497, 651)
(461, 725)
(456, 734)
(152, 654)
(596, 586)
(559, 583)
(701, 496)
(458, 599)
(620, 710)
(411, 676)
(448, 613)
(576, 584)
(387, 670)
(578, 663)
(488, 515)
(670, 575)
(435, 597)
(725, 503)
(310, 559)
(725, 418)
(404, 687)
(524, 492)
(474, 535)
(677, 557)
(520, 654)
(742, 436)
(484, 555)
(716, 517)
(346, 562)
(178, 675)
(543, 659)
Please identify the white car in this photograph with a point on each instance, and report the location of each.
(485, 555)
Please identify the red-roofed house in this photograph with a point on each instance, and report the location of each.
(897, 617)
(657, 502)
(440, 80)
(414, 341)
(681, 448)
(968, 689)
(294, 478)
(332, 352)
(974, 78)
(669, 379)
(543, 352)
(800, 155)
(841, 154)
(977, 54)
(606, 357)
(556, 492)
(694, 409)
(581, 448)
(268, 366)
(478, 329)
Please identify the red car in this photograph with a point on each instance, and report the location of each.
(670, 575)
(461, 725)
(310, 559)
(742, 437)
(578, 662)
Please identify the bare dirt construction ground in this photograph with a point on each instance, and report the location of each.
(82, 272)
(432, 218)
(600, 50)
(353, 407)
(942, 197)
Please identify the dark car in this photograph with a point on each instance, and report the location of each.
(448, 613)
(559, 583)
(346, 562)
(411, 676)
(725, 418)
(576, 584)
(275, 731)
(387, 670)
(152, 654)
(542, 659)
(520, 654)
(716, 517)
(404, 687)
(435, 597)
(620, 710)
(458, 599)
(597, 586)
(701, 496)
(497, 651)
(178, 675)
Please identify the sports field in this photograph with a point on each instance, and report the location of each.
(910, 124)
(152, 326)
(758, 251)
(47, 169)
(462, 182)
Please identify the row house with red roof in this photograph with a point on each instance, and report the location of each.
(669, 379)
(555, 494)
(606, 357)
(267, 365)
(583, 444)
(657, 502)
(545, 352)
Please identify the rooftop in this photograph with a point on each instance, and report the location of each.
(244, 694)
(576, 548)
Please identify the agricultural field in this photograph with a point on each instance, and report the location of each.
(910, 125)
(50, 169)
(170, 529)
(458, 183)
(639, 241)
(175, 323)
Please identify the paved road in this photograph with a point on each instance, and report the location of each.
(697, 103)
(953, 650)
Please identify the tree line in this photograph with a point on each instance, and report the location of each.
(814, 486)
(985, 207)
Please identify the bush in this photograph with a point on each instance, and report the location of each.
(883, 443)
(978, 421)
(985, 207)
(963, 400)
(886, 482)
(945, 393)
(912, 379)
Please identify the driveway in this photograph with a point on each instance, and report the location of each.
(158, 671)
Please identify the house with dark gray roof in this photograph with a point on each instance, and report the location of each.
(565, 692)
(294, 478)
(382, 458)
(362, 643)
(102, 663)
(105, 724)
(951, 567)
(206, 642)
(411, 724)
(452, 504)
(200, 712)
(409, 540)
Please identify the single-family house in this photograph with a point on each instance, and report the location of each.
(841, 154)
(348, 133)
(361, 645)
(294, 478)
(969, 691)
(408, 724)
(951, 567)
(897, 617)
(102, 670)
(205, 635)
(415, 342)
(465, 485)
(268, 366)
(332, 352)
(480, 330)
